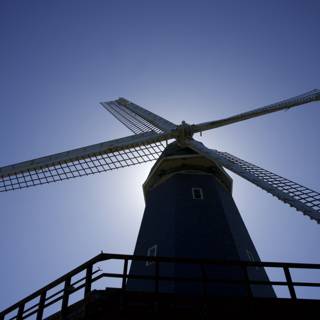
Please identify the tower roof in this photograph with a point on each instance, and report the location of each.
(176, 159)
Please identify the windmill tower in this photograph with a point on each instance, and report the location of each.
(189, 210)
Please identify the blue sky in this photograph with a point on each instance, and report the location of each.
(185, 60)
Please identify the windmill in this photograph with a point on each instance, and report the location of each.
(189, 206)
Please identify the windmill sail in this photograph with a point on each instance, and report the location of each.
(89, 160)
(136, 118)
(151, 131)
(310, 96)
(303, 199)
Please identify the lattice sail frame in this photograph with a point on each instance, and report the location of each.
(80, 165)
(133, 122)
(302, 198)
(136, 118)
(302, 99)
(146, 145)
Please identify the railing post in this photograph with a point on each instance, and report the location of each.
(124, 284)
(87, 288)
(247, 280)
(42, 301)
(156, 284)
(2, 316)
(65, 298)
(204, 280)
(289, 281)
(156, 287)
(124, 274)
(20, 311)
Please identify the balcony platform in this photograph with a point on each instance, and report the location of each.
(96, 300)
(114, 303)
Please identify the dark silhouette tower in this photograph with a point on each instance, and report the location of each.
(190, 212)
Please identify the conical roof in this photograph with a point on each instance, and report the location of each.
(176, 159)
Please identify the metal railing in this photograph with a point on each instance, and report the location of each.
(44, 298)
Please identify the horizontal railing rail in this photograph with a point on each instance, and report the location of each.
(20, 310)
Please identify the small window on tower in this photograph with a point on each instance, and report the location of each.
(251, 257)
(197, 193)
(152, 252)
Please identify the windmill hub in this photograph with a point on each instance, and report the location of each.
(183, 131)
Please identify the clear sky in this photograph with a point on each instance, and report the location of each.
(185, 60)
